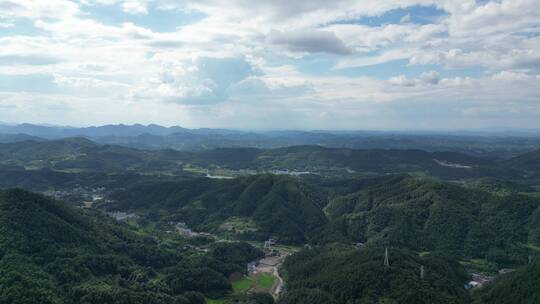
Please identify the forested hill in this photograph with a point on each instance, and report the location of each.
(520, 287)
(78, 154)
(528, 162)
(341, 274)
(429, 215)
(488, 219)
(52, 254)
(280, 206)
(499, 144)
(315, 158)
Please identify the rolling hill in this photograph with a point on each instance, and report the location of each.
(428, 215)
(492, 222)
(280, 206)
(340, 274)
(528, 162)
(520, 287)
(52, 253)
(79, 154)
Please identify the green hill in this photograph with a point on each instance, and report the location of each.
(341, 274)
(51, 253)
(280, 206)
(487, 220)
(315, 158)
(528, 162)
(428, 215)
(520, 287)
(79, 154)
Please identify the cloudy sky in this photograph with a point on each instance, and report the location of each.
(272, 64)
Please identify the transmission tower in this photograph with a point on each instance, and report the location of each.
(386, 262)
(422, 272)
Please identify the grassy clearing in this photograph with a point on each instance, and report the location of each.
(239, 225)
(261, 283)
(531, 194)
(533, 247)
(480, 266)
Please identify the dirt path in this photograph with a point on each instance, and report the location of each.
(279, 286)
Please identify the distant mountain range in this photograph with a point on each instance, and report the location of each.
(152, 137)
(82, 155)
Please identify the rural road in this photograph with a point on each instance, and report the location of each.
(279, 286)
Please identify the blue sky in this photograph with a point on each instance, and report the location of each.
(272, 64)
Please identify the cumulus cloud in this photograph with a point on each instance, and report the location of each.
(28, 60)
(425, 79)
(201, 81)
(85, 82)
(307, 40)
(292, 63)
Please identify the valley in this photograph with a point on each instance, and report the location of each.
(269, 152)
(252, 223)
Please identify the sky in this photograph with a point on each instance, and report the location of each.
(272, 64)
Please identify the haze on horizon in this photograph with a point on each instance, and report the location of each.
(238, 64)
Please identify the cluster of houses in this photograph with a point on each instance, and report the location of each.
(479, 280)
(122, 216)
(288, 172)
(85, 197)
(271, 259)
(182, 229)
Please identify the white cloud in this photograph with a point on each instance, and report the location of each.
(425, 79)
(307, 40)
(200, 81)
(243, 59)
(85, 82)
(134, 7)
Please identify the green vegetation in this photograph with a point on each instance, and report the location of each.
(341, 274)
(51, 253)
(77, 155)
(520, 287)
(239, 225)
(480, 266)
(261, 282)
(484, 216)
(427, 215)
(470, 222)
(280, 206)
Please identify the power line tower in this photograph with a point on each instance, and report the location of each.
(386, 262)
(422, 272)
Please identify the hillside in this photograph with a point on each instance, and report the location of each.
(492, 144)
(51, 253)
(79, 154)
(448, 165)
(429, 215)
(528, 162)
(339, 274)
(485, 220)
(442, 164)
(520, 287)
(279, 205)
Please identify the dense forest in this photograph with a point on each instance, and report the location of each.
(151, 137)
(79, 154)
(448, 213)
(429, 215)
(342, 274)
(52, 253)
(281, 206)
(522, 286)
(486, 220)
